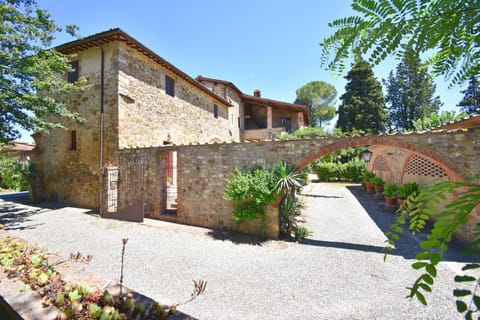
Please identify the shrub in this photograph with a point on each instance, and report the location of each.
(404, 191)
(377, 181)
(367, 175)
(301, 232)
(351, 171)
(251, 190)
(14, 174)
(309, 132)
(390, 190)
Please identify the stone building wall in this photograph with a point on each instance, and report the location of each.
(147, 115)
(231, 95)
(72, 176)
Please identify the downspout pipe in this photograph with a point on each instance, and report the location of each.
(102, 121)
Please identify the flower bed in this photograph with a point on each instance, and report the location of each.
(36, 268)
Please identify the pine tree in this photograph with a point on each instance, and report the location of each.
(471, 100)
(319, 97)
(363, 104)
(410, 94)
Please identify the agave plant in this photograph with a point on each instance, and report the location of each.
(288, 180)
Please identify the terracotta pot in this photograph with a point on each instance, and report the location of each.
(391, 201)
(369, 186)
(378, 189)
(400, 201)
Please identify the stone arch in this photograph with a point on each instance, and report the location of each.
(453, 169)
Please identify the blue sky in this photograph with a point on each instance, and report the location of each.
(271, 45)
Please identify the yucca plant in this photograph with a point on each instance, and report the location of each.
(288, 180)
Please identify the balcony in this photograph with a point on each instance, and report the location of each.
(261, 134)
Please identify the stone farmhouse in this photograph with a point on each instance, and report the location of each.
(135, 98)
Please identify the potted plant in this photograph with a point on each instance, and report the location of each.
(390, 192)
(367, 176)
(404, 191)
(378, 185)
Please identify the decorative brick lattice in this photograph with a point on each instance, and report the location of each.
(418, 165)
(381, 164)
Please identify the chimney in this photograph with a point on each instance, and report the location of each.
(257, 93)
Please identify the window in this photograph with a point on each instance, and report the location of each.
(287, 123)
(169, 86)
(73, 140)
(73, 75)
(215, 111)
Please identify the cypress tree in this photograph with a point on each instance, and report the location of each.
(363, 104)
(471, 99)
(410, 94)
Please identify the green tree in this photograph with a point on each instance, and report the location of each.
(436, 119)
(471, 100)
(363, 104)
(410, 94)
(448, 30)
(28, 68)
(318, 96)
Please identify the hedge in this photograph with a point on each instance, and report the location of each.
(350, 172)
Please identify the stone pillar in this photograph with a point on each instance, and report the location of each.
(272, 221)
(300, 120)
(269, 117)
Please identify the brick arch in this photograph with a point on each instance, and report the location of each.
(453, 169)
(377, 166)
(450, 174)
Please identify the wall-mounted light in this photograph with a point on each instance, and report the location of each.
(169, 139)
(366, 155)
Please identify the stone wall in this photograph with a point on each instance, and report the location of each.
(72, 176)
(203, 169)
(147, 115)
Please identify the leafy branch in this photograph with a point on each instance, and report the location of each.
(426, 204)
(447, 29)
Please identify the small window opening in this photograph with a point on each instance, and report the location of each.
(169, 86)
(215, 111)
(73, 140)
(72, 76)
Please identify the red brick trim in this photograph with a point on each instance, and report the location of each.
(453, 170)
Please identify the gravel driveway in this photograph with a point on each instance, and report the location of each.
(338, 274)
